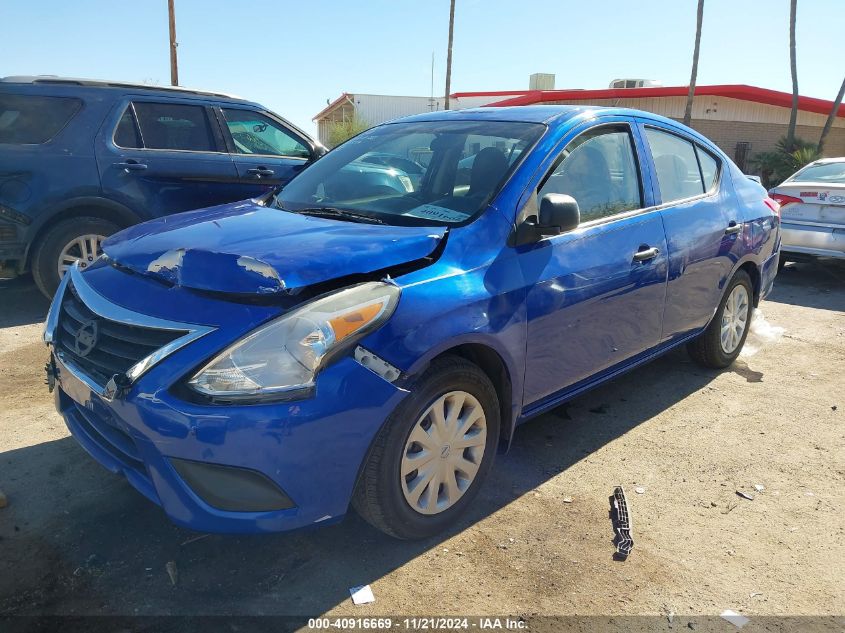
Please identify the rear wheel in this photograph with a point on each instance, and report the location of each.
(429, 460)
(65, 243)
(722, 341)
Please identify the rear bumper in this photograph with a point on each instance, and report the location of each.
(816, 240)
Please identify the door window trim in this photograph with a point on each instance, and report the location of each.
(230, 143)
(130, 104)
(717, 182)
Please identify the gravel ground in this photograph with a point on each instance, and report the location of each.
(75, 539)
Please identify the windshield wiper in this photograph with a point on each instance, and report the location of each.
(341, 214)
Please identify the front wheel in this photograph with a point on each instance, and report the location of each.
(722, 341)
(432, 454)
(68, 242)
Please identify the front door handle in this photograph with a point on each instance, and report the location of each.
(131, 165)
(260, 172)
(645, 253)
(733, 228)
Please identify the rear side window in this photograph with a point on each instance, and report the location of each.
(32, 120)
(175, 126)
(709, 168)
(676, 166)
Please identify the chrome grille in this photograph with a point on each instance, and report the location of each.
(112, 347)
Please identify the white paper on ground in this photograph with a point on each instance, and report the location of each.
(734, 618)
(362, 594)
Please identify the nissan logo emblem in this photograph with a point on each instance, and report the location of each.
(86, 338)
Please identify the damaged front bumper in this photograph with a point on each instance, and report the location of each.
(233, 468)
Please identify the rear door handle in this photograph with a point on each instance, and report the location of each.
(733, 228)
(260, 172)
(644, 254)
(131, 165)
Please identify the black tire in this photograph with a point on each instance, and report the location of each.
(706, 349)
(45, 256)
(378, 495)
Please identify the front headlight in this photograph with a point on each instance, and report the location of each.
(285, 354)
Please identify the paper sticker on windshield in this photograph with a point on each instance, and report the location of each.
(433, 212)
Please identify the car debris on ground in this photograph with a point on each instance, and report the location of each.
(362, 594)
(734, 618)
(172, 572)
(745, 495)
(621, 519)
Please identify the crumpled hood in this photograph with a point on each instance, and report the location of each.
(246, 248)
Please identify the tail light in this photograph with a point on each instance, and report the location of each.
(783, 199)
(773, 204)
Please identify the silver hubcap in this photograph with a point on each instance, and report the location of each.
(443, 452)
(84, 249)
(734, 319)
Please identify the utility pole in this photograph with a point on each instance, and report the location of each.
(174, 63)
(449, 55)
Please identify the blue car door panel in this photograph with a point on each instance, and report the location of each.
(591, 303)
(164, 156)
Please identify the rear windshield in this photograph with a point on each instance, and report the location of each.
(32, 120)
(833, 173)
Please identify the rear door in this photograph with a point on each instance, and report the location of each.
(265, 150)
(161, 155)
(704, 232)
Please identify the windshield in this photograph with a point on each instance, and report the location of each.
(427, 173)
(833, 173)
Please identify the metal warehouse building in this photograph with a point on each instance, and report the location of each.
(742, 120)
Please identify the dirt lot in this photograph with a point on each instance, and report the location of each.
(78, 540)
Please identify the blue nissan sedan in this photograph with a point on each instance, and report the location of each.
(260, 366)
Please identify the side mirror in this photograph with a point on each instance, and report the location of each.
(319, 151)
(558, 211)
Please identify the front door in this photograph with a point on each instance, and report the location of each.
(265, 151)
(595, 294)
(162, 157)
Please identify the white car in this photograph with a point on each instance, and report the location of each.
(812, 211)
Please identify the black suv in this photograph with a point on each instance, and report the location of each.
(81, 159)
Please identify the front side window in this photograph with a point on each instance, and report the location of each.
(425, 173)
(254, 133)
(599, 170)
(32, 120)
(174, 126)
(676, 166)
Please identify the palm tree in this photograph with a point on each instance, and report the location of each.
(832, 116)
(793, 66)
(449, 55)
(691, 94)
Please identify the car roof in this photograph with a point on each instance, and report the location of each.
(549, 114)
(51, 80)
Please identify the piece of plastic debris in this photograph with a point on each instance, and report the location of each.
(745, 495)
(3, 500)
(362, 594)
(734, 618)
(567, 499)
(759, 487)
(171, 570)
(639, 490)
(621, 519)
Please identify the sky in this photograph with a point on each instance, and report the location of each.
(293, 56)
